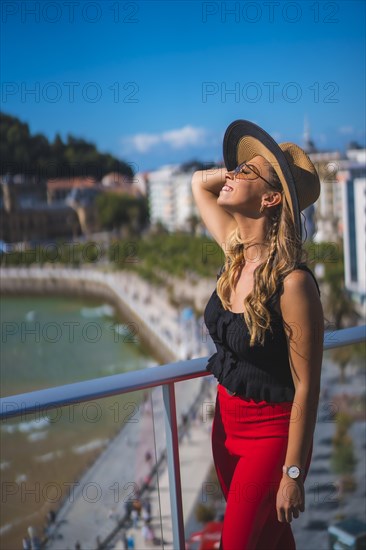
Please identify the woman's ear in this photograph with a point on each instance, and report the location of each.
(271, 199)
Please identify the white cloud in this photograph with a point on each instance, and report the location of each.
(188, 135)
(176, 139)
(143, 142)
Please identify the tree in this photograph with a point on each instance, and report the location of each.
(193, 221)
(337, 302)
(342, 356)
(25, 153)
(122, 211)
(343, 460)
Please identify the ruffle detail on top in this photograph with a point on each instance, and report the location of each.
(224, 361)
(228, 370)
(221, 363)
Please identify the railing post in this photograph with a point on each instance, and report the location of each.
(175, 487)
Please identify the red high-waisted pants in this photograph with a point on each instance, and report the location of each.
(249, 444)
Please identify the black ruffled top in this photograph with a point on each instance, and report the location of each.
(261, 373)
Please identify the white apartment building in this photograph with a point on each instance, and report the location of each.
(170, 197)
(160, 190)
(328, 207)
(185, 205)
(352, 177)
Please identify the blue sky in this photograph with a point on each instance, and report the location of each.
(158, 82)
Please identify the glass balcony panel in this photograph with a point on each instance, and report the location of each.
(195, 407)
(73, 473)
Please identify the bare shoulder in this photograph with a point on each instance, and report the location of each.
(299, 280)
(300, 297)
(303, 318)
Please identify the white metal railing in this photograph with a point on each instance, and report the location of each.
(163, 375)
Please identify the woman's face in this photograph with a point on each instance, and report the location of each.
(244, 195)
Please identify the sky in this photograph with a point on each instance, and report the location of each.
(158, 82)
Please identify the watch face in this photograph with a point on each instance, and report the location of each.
(293, 472)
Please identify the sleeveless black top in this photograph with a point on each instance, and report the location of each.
(259, 372)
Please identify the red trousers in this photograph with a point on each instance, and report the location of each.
(249, 445)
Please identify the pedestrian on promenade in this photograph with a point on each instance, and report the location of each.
(135, 518)
(128, 508)
(266, 319)
(146, 513)
(130, 541)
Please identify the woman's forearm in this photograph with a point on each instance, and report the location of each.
(211, 180)
(302, 426)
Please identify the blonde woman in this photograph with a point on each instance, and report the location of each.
(266, 319)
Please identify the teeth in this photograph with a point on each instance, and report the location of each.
(227, 188)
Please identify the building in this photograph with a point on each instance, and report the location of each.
(35, 209)
(185, 205)
(22, 190)
(27, 217)
(161, 196)
(170, 198)
(328, 207)
(59, 188)
(323, 218)
(41, 222)
(120, 183)
(352, 178)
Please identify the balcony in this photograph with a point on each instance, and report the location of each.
(181, 449)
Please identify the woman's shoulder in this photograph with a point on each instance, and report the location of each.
(299, 278)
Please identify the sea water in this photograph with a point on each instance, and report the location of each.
(51, 341)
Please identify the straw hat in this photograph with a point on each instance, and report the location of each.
(244, 140)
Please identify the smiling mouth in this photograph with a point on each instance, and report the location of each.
(227, 188)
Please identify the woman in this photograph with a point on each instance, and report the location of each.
(266, 319)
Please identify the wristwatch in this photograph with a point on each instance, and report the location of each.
(292, 471)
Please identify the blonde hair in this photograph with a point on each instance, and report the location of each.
(285, 254)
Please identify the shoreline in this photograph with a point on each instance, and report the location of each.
(115, 289)
(126, 294)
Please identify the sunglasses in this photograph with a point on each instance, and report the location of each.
(250, 172)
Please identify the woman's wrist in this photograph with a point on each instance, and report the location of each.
(293, 471)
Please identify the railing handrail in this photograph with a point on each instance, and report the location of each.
(87, 390)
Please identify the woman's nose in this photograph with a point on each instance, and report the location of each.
(229, 175)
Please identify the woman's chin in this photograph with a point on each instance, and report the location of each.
(223, 199)
(228, 204)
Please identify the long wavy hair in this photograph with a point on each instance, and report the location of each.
(285, 254)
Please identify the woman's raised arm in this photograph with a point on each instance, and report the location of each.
(206, 187)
